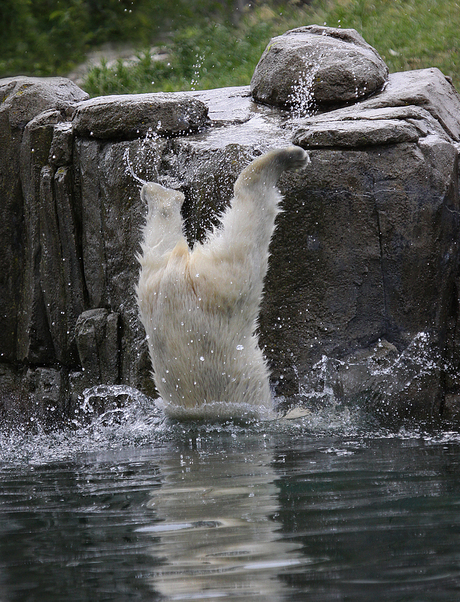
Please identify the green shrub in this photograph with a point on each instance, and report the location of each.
(48, 37)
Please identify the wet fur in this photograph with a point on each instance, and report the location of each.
(199, 308)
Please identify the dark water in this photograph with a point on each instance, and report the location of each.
(132, 507)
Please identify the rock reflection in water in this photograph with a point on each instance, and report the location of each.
(218, 534)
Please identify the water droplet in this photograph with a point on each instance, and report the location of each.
(201, 358)
(239, 347)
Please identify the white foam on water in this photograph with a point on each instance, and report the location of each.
(218, 411)
(115, 417)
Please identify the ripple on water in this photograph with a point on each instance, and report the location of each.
(142, 422)
(318, 507)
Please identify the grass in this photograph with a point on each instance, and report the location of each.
(408, 34)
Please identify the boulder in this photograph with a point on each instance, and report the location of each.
(316, 67)
(23, 98)
(133, 115)
(354, 134)
(368, 235)
(379, 209)
(427, 89)
(381, 125)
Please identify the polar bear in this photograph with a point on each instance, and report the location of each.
(200, 307)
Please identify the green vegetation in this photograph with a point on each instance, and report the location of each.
(207, 55)
(48, 37)
(408, 34)
(209, 47)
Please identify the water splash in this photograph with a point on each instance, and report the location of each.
(302, 99)
(380, 379)
(130, 169)
(107, 418)
(117, 416)
(146, 154)
(141, 424)
(197, 71)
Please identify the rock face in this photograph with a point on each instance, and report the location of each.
(361, 301)
(317, 67)
(131, 116)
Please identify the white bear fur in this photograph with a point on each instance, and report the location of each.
(199, 308)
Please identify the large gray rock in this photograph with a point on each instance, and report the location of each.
(361, 300)
(22, 99)
(388, 176)
(133, 115)
(359, 133)
(314, 66)
(361, 126)
(53, 280)
(426, 88)
(378, 239)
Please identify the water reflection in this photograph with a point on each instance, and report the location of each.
(275, 511)
(66, 528)
(379, 516)
(218, 533)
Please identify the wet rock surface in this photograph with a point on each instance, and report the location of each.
(337, 65)
(23, 98)
(130, 116)
(361, 298)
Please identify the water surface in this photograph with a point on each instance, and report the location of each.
(133, 507)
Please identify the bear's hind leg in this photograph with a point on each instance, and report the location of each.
(266, 170)
(241, 244)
